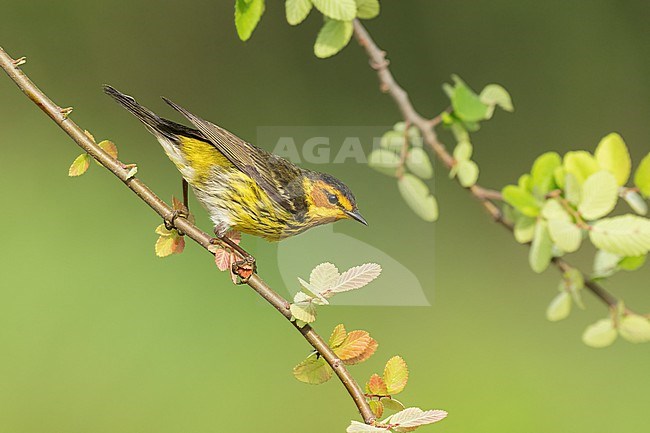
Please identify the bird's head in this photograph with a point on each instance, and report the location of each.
(329, 199)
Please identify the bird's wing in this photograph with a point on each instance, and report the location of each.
(276, 176)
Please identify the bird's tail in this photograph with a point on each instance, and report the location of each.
(154, 123)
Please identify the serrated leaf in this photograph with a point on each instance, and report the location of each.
(365, 355)
(247, 15)
(414, 417)
(367, 9)
(297, 10)
(344, 10)
(625, 235)
(467, 172)
(566, 235)
(613, 156)
(332, 38)
(521, 200)
(466, 104)
(605, 264)
(303, 308)
(543, 173)
(313, 370)
(376, 385)
(540, 253)
(359, 427)
(642, 176)
(636, 202)
(109, 147)
(559, 308)
(224, 259)
(634, 328)
(417, 196)
(171, 244)
(396, 375)
(391, 403)
(418, 162)
(599, 195)
(580, 164)
(524, 229)
(600, 334)
(376, 407)
(355, 278)
(337, 337)
(494, 94)
(463, 151)
(354, 344)
(79, 165)
(324, 276)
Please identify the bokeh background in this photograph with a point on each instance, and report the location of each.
(99, 335)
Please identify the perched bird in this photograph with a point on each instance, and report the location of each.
(242, 186)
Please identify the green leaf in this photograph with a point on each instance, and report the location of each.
(377, 407)
(634, 328)
(343, 10)
(109, 147)
(313, 370)
(247, 16)
(625, 235)
(524, 229)
(393, 141)
(79, 165)
(392, 404)
(466, 104)
(566, 235)
(418, 162)
(543, 172)
(632, 263)
(573, 282)
(332, 37)
(600, 334)
(412, 417)
(541, 249)
(303, 308)
(416, 194)
(297, 10)
(521, 200)
(337, 337)
(636, 202)
(463, 151)
(605, 264)
(559, 308)
(553, 210)
(367, 9)
(581, 164)
(467, 172)
(494, 94)
(599, 195)
(613, 156)
(384, 161)
(572, 189)
(396, 374)
(642, 176)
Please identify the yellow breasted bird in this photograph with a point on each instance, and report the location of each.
(242, 186)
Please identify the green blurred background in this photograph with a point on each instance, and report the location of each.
(99, 335)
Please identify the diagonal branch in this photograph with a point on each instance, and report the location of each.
(60, 117)
(485, 197)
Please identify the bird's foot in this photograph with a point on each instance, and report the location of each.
(170, 220)
(243, 268)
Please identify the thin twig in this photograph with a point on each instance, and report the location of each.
(60, 117)
(387, 84)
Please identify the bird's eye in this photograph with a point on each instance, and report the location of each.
(333, 199)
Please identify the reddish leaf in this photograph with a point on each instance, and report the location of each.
(376, 386)
(370, 350)
(355, 343)
(109, 147)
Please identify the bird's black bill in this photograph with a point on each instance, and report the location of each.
(357, 216)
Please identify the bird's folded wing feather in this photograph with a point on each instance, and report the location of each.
(276, 176)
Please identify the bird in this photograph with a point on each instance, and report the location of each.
(242, 186)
